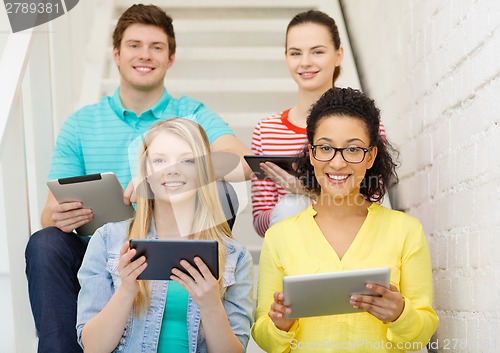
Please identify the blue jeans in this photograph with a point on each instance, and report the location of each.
(53, 259)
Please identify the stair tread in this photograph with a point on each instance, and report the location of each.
(215, 53)
(261, 85)
(234, 25)
(123, 4)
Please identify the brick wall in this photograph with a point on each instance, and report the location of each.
(433, 68)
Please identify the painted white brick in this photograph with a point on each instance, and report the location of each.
(482, 156)
(451, 250)
(445, 163)
(472, 336)
(437, 82)
(433, 181)
(484, 103)
(442, 288)
(490, 12)
(473, 244)
(432, 240)
(426, 211)
(484, 300)
(487, 196)
(423, 150)
(446, 329)
(487, 254)
(485, 61)
(462, 249)
(465, 165)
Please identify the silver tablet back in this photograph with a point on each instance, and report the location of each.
(102, 193)
(329, 293)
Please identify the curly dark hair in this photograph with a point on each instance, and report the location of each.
(350, 102)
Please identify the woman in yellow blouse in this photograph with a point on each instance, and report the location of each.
(344, 231)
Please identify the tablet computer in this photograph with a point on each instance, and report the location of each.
(102, 193)
(329, 293)
(163, 255)
(284, 162)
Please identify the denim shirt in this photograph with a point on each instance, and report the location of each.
(99, 279)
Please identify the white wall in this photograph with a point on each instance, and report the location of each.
(433, 68)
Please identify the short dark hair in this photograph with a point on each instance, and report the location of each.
(349, 102)
(322, 19)
(147, 15)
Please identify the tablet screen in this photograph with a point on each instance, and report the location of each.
(163, 255)
(284, 162)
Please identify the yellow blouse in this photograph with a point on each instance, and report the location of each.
(387, 238)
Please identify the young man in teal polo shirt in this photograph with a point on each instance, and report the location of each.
(99, 138)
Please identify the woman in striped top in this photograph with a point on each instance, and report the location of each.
(313, 55)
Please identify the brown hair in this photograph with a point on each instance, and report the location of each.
(147, 15)
(322, 19)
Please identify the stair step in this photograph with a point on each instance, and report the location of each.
(244, 120)
(234, 85)
(213, 53)
(236, 38)
(243, 124)
(182, 4)
(231, 39)
(224, 69)
(232, 25)
(249, 102)
(222, 62)
(251, 53)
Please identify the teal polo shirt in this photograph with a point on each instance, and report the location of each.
(100, 138)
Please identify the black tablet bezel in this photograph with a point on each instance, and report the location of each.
(284, 162)
(163, 255)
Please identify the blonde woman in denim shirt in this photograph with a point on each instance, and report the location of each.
(117, 312)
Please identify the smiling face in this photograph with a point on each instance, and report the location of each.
(338, 178)
(171, 168)
(311, 56)
(143, 58)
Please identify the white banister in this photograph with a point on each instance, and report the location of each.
(16, 325)
(41, 80)
(12, 67)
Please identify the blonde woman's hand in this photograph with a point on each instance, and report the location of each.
(386, 308)
(278, 311)
(201, 284)
(129, 271)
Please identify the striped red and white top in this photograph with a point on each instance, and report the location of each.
(275, 136)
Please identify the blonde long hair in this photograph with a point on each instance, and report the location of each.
(210, 222)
